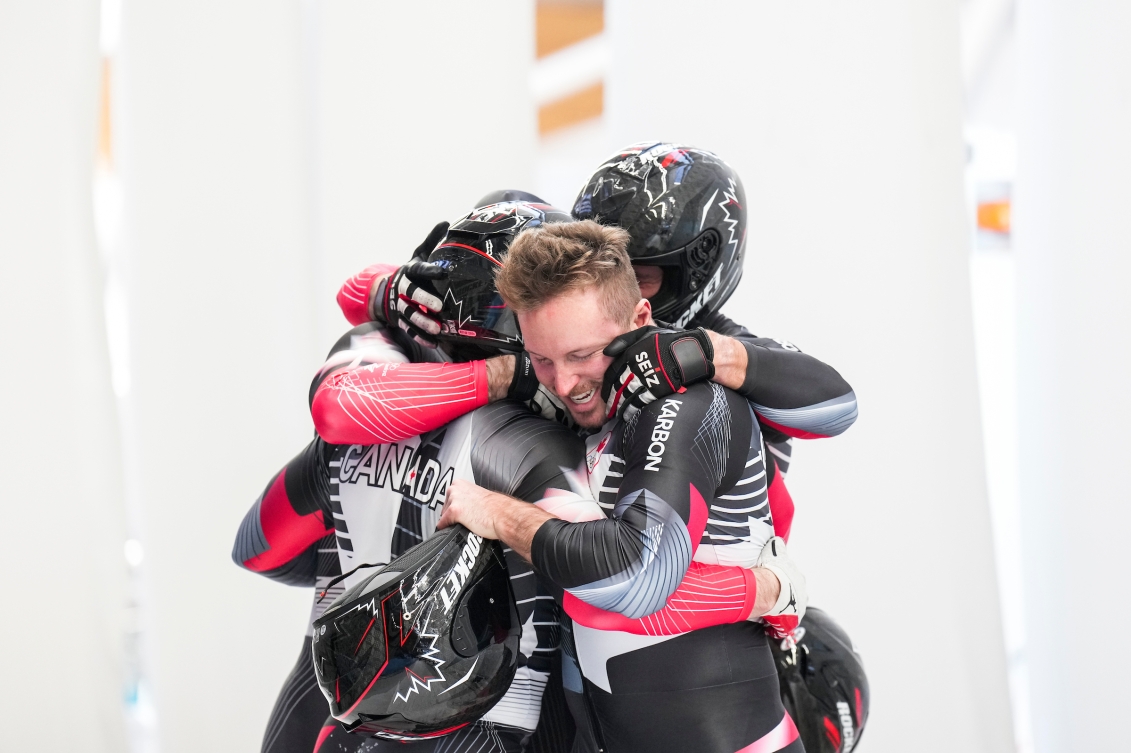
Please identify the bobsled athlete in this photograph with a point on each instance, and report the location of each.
(380, 499)
(680, 483)
(806, 397)
(685, 211)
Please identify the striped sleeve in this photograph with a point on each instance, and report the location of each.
(353, 297)
(389, 402)
(792, 392)
(368, 392)
(280, 535)
(544, 463)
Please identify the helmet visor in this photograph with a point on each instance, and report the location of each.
(473, 312)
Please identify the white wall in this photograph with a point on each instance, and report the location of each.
(845, 121)
(63, 520)
(421, 108)
(1073, 239)
(217, 241)
(272, 149)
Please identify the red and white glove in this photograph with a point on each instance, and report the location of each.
(407, 298)
(786, 613)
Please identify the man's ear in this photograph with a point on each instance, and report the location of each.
(642, 314)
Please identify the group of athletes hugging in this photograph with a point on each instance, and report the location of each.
(563, 384)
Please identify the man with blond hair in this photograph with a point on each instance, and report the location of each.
(680, 481)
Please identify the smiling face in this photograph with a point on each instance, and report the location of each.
(565, 338)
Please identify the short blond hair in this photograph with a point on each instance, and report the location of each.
(552, 260)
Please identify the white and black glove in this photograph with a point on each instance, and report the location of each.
(651, 363)
(408, 299)
(786, 613)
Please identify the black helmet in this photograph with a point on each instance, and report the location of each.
(823, 685)
(508, 194)
(424, 646)
(685, 211)
(475, 322)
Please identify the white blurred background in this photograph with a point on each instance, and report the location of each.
(937, 194)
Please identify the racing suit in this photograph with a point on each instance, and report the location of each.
(684, 481)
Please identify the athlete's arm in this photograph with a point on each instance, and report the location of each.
(632, 562)
(794, 395)
(368, 392)
(355, 298)
(790, 391)
(708, 595)
(524, 457)
(279, 536)
(357, 399)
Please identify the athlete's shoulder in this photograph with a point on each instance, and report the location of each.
(718, 322)
(495, 416)
(701, 407)
(513, 425)
(673, 421)
(510, 443)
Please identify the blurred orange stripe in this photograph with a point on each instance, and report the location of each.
(576, 108)
(995, 216)
(105, 140)
(560, 24)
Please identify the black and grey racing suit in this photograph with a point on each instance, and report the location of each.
(684, 481)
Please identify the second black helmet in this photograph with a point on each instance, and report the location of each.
(475, 322)
(823, 685)
(685, 210)
(425, 645)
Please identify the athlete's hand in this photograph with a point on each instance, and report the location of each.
(492, 516)
(408, 299)
(470, 505)
(651, 363)
(784, 615)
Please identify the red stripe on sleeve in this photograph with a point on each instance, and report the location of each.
(353, 298)
(709, 595)
(388, 402)
(697, 520)
(790, 431)
(781, 506)
(288, 534)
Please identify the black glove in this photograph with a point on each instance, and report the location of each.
(408, 299)
(651, 363)
(523, 384)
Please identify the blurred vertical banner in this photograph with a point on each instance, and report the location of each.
(1072, 241)
(845, 122)
(568, 79)
(567, 83)
(64, 518)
